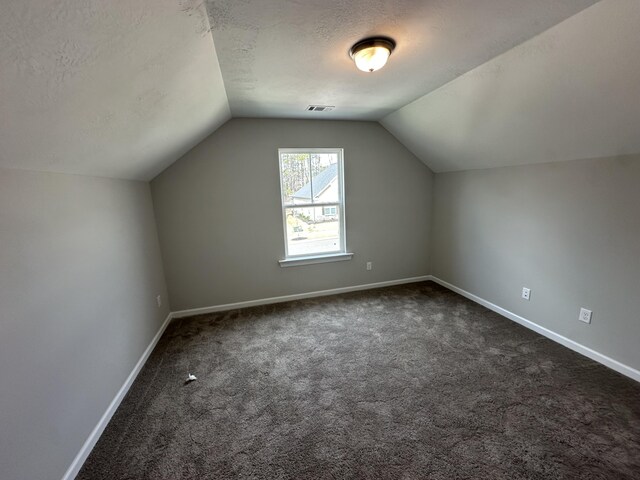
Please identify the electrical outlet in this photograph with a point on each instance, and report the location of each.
(585, 315)
(159, 300)
(526, 293)
(369, 265)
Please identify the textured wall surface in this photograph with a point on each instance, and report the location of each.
(116, 89)
(569, 231)
(79, 273)
(220, 221)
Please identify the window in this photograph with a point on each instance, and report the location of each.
(312, 193)
(329, 211)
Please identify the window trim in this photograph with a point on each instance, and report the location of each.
(310, 260)
(334, 255)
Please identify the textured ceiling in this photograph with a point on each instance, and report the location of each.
(278, 56)
(109, 88)
(122, 89)
(573, 92)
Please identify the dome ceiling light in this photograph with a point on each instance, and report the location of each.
(371, 54)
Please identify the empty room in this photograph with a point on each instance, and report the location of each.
(298, 239)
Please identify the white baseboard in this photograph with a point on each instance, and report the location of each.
(575, 346)
(297, 296)
(77, 463)
(84, 452)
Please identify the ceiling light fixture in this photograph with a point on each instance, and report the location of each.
(371, 54)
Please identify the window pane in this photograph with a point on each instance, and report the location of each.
(324, 183)
(312, 230)
(296, 178)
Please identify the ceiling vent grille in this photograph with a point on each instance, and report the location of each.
(320, 108)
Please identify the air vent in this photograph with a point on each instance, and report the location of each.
(320, 108)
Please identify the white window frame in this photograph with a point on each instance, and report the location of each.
(334, 256)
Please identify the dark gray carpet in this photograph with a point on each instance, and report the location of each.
(404, 382)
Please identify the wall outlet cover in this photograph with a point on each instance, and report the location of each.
(526, 293)
(585, 315)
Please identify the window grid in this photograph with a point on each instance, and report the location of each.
(313, 204)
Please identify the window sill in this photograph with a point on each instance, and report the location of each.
(294, 262)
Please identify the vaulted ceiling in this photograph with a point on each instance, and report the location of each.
(573, 92)
(122, 89)
(278, 56)
(107, 88)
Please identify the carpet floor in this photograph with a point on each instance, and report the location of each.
(406, 382)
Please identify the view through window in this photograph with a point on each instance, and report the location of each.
(311, 182)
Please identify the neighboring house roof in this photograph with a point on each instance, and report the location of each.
(320, 182)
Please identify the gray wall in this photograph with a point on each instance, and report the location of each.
(570, 231)
(220, 222)
(79, 272)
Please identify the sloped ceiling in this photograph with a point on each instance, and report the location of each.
(109, 88)
(572, 92)
(278, 56)
(124, 88)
